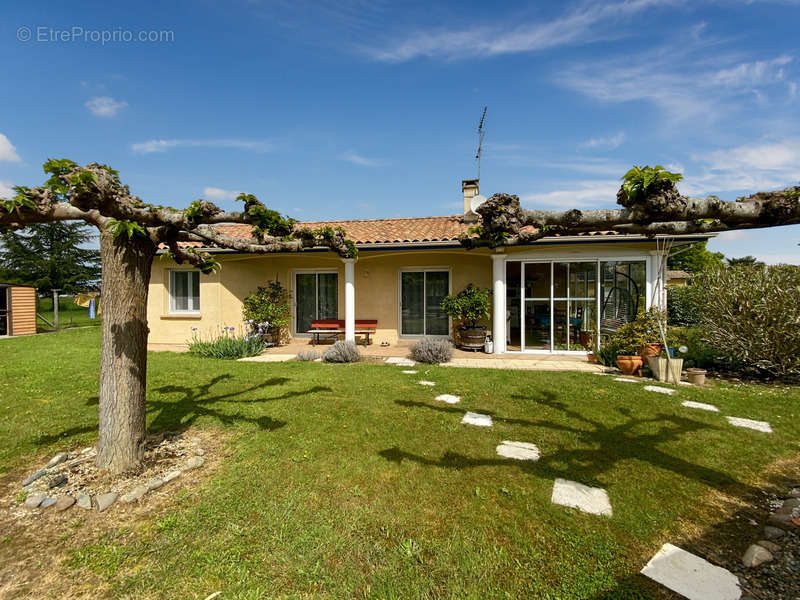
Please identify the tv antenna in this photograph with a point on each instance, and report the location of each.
(481, 133)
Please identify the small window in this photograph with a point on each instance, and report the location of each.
(184, 291)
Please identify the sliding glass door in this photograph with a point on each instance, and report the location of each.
(316, 297)
(561, 305)
(421, 295)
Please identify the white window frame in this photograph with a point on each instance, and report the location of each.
(295, 272)
(192, 310)
(598, 258)
(410, 336)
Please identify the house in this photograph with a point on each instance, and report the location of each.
(17, 309)
(677, 277)
(548, 296)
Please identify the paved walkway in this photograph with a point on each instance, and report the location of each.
(530, 363)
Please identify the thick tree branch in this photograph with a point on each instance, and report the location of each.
(505, 222)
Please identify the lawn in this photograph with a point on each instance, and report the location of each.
(69, 314)
(346, 481)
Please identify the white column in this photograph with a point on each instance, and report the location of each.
(349, 299)
(499, 303)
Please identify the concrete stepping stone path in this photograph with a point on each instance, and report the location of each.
(518, 450)
(472, 418)
(660, 390)
(449, 398)
(691, 576)
(400, 361)
(750, 424)
(429, 383)
(583, 497)
(625, 380)
(410, 372)
(700, 405)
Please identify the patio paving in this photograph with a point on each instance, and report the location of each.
(398, 354)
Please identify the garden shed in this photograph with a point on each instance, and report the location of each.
(17, 309)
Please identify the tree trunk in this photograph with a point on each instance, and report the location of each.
(123, 359)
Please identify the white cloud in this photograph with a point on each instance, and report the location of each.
(8, 152)
(160, 145)
(358, 159)
(686, 80)
(6, 189)
(775, 259)
(584, 194)
(606, 143)
(215, 193)
(760, 166)
(579, 26)
(104, 106)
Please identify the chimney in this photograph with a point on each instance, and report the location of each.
(470, 189)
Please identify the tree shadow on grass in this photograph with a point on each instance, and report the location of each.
(194, 401)
(460, 411)
(602, 446)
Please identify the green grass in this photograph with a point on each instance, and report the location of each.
(349, 481)
(69, 315)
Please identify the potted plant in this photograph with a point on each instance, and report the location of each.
(628, 341)
(267, 312)
(469, 306)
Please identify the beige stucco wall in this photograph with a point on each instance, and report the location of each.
(376, 283)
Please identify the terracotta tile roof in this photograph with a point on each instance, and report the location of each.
(384, 231)
(376, 231)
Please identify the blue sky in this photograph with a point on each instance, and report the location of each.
(360, 109)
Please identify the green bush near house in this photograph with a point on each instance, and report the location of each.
(683, 305)
(468, 306)
(267, 306)
(750, 316)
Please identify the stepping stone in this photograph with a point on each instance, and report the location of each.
(660, 390)
(423, 382)
(410, 372)
(64, 502)
(105, 500)
(518, 450)
(691, 576)
(84, 502)
(700, 405)
(478, 419)
(57, 481)
(449, 398)
(583, 497)
(400, 361)
(750, 424)
(625, 380)
(34, 500)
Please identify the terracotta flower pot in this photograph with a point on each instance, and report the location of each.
(592, 358)
(650, 350)
(630, 364)
(696, 376)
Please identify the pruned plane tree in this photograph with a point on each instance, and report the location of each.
(132, 232)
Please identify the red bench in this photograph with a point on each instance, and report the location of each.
(335, 327)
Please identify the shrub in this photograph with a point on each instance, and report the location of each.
(698, 353)
(342, 352)
(225, 344)
(683, 305)
(432, 350)
(750, 315)
(307, 356)
(641, 331)
(468, 306)
(266, 308)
